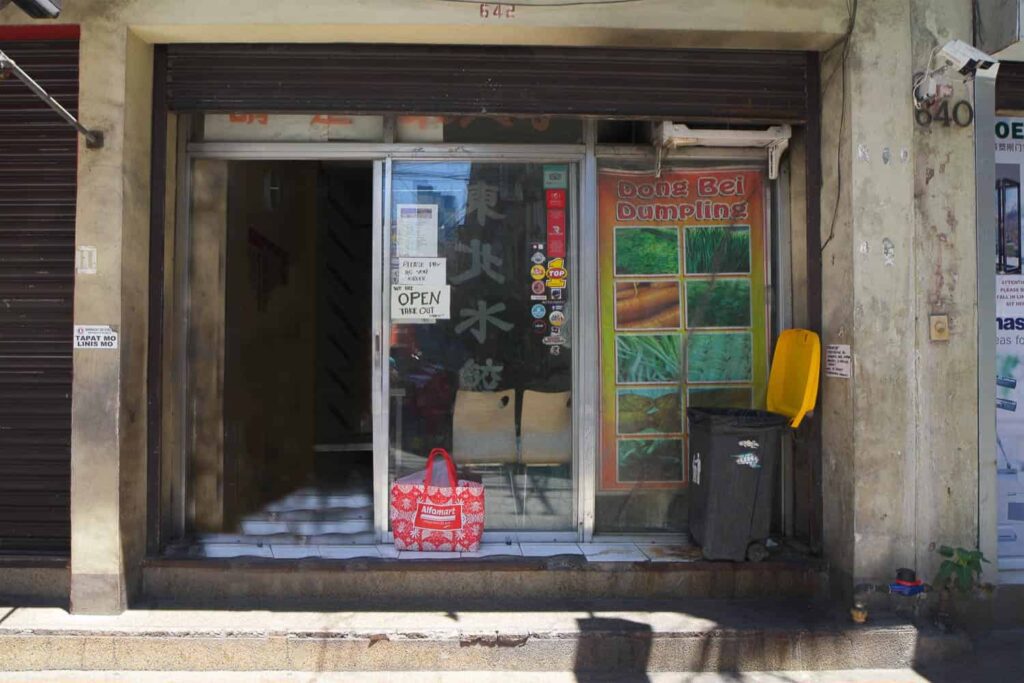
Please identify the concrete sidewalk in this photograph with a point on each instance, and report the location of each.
(623, 637)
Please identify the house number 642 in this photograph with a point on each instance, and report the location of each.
(497, 10)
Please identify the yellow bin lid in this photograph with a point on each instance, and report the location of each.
(793, 380)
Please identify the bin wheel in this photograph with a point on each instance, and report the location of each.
(757, 552)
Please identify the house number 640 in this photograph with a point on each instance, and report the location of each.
(960, 112)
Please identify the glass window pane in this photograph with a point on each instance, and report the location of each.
(491, 383)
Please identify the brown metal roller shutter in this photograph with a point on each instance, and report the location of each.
(1010, 87)
(38, 167)
(743, 86)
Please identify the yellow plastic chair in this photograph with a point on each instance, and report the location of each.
(793, 380)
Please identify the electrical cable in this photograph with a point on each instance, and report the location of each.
(920, 79)
(842, 124)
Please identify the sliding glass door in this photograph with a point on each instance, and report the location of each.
(478, 324)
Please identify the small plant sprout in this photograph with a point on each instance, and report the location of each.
(961, 570)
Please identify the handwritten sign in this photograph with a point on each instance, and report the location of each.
(416, 302)
(422, 271)
(838, 361)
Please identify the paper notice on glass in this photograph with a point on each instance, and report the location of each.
(414, 303)
(422, 271)
(416, 230)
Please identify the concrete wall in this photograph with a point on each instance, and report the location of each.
(946, 507)
(108, 442)
(900, 438)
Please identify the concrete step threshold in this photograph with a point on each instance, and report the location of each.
(605, 637)
(381, 583)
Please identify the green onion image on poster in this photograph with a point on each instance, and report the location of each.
(721, 249)
(648, 358)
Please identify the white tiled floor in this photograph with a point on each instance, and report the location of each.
(550, 549)
(295, 552)
(594, 552)
(613, 552)
(348, 552)
(236, 550)
(496, 550)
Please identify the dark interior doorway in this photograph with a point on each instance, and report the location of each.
(298, 436)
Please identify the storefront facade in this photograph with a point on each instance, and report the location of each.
(328, 247)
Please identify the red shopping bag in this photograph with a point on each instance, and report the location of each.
(428, 514)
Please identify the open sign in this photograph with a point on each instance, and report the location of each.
(417, 302)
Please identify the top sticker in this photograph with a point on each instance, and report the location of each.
(556, 177)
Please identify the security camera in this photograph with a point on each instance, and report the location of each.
(930, 85)
(40, 9)
(962, 57)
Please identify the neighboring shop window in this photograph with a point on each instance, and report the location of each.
(480, 358)
(489, 129)
(683, 323)
(1009, 302)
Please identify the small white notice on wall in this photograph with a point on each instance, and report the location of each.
(85, 260)
(419, 303)
(95, 337)
(422, 271)
(838, 361)
(416, 230)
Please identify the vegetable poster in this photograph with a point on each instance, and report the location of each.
(683, 312)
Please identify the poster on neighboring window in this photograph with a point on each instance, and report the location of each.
(1009, 343)
(683, 312)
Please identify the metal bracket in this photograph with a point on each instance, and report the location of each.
(776, 149)
(93, 138)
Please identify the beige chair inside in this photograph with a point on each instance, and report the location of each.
(484, 428)
(484, 432)
(546, 429)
